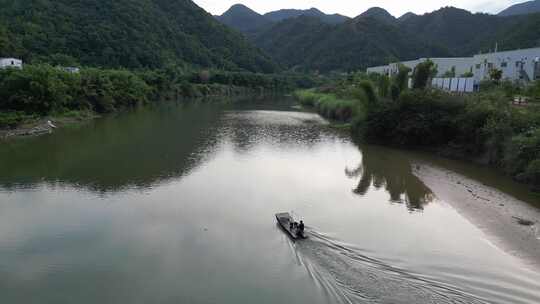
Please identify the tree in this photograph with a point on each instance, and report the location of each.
(402, 78)
(368, 89)
(383, 83)
(422, 74)
(495, 75)
(450, 73)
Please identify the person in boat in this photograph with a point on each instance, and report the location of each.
(301, 227)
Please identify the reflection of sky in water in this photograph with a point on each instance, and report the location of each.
(189, 217)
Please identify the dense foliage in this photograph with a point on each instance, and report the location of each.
(43, 89)
(123, 33)
(39, 90)
(309, 44)
(484, 127)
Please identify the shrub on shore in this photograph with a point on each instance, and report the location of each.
(481, 126)
(330, 105)
(43, 89)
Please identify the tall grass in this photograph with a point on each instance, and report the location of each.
(330, 105)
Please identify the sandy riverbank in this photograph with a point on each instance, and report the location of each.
(509, 223)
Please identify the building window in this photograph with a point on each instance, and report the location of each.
(478, 66)
(504, 64)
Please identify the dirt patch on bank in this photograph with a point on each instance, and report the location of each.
(509, 223)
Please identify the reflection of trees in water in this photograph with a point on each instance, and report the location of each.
(140, 150)
(391, 170)
(136, 150)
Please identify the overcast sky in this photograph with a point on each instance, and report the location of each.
(354, 8)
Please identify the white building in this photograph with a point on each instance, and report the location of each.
(459, 65)
(517, 65)
(72, 70)
(10, 63)
(383, 70)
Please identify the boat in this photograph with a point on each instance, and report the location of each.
(285, 220)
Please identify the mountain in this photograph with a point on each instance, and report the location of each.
(458, 30)
(283, 14)
(307, 43)
(524, 8)
(124, 33)
(375, 38)
(380, 14)
(407, 16)
(243, 19)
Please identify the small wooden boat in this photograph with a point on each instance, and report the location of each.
(286, 221)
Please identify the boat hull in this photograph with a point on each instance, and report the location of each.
(284, 221)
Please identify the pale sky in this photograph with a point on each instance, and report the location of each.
(353, 8)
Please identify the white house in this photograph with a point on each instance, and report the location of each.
(10, 63)
(517, 65)
(72, 70)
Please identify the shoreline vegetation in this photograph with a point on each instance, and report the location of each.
(31, 96)
(483, 127)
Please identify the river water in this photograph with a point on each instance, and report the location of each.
(176, 204)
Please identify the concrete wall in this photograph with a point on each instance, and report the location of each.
(383, 70)
(516, 65)
(457, 84)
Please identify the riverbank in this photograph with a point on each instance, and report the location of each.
(509, 223)
(482, 127)
(46, 125)
(29, 97)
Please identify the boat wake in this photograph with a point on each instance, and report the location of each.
(346, 275)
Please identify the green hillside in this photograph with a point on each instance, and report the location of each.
(123, 33)
(376, 37)
(307, 43)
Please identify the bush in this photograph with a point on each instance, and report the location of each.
(37, 89)
(13, 119)
(419, 118)
(329, 105)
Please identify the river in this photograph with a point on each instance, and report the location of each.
(176, 203)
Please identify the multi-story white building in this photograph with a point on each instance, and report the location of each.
(517, 65)
(10, 63)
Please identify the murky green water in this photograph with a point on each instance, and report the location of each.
(176, 204)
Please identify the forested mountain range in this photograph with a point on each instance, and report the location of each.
(529, 7)
(244, 19)
(124, 33)
(376, 37)
(283, 14)
(249, 22)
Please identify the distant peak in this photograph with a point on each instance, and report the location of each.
(315, 10)
(239, 7)
(407, 16)
(378, 13)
